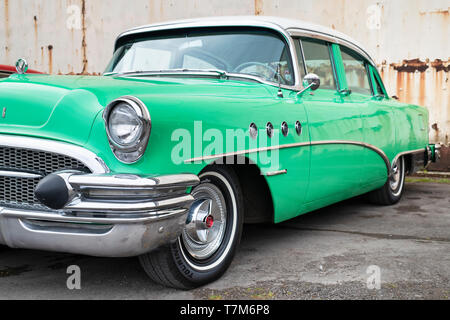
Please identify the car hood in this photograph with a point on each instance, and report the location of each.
(65, 107)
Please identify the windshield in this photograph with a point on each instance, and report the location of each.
(253, 52)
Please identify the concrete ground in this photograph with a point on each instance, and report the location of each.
(324, 255)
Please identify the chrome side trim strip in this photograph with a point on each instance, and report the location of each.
(407, 152)
(88, 158)
(242, 152)
(276, 173)
(362, 144)
(313, 143)
(19, 174)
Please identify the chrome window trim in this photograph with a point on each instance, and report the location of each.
(88, 158)
(295, 32)
(299, 40)
(288, 32)
(233, 23)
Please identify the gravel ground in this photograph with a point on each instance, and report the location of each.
(323, 255)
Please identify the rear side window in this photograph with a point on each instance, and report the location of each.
(378, 86)
(318, 61)
(355, 72)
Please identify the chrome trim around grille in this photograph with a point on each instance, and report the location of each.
(88, 158)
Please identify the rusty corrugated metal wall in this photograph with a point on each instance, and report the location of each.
(409, 39)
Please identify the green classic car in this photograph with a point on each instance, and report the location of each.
(195, 128)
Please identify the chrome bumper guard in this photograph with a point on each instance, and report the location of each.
(107, 215)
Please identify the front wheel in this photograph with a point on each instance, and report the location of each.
(207, 245)
(392, 191)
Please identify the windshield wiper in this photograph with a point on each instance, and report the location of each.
(221, 73)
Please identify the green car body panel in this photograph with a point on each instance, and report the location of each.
(69, 109)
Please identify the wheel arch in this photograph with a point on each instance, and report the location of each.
(258, 201)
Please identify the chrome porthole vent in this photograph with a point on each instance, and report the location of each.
(285, 129)
(269, 128)
(253, 130)
(298, 128)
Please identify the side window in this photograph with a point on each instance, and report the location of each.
(378, 85)
(355, 72)
(318, 61)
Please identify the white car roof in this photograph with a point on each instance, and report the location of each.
(289, 26)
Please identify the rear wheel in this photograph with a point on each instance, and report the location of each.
(207, 245)
(392, 191)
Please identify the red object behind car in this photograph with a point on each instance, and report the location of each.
(6, 71)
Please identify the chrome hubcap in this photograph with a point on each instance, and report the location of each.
(205, 226)
(200, 221)
(394, 181)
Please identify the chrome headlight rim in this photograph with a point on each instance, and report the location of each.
(140, 145)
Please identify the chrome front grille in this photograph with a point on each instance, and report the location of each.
(19, 191)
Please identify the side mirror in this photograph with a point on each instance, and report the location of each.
(310, 81)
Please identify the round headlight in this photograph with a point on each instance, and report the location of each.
(125, 126)
(128, 126)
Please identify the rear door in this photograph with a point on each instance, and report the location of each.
(376, 114)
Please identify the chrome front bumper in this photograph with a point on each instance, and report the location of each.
(108, 215)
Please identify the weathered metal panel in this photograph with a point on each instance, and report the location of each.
(408, 39)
